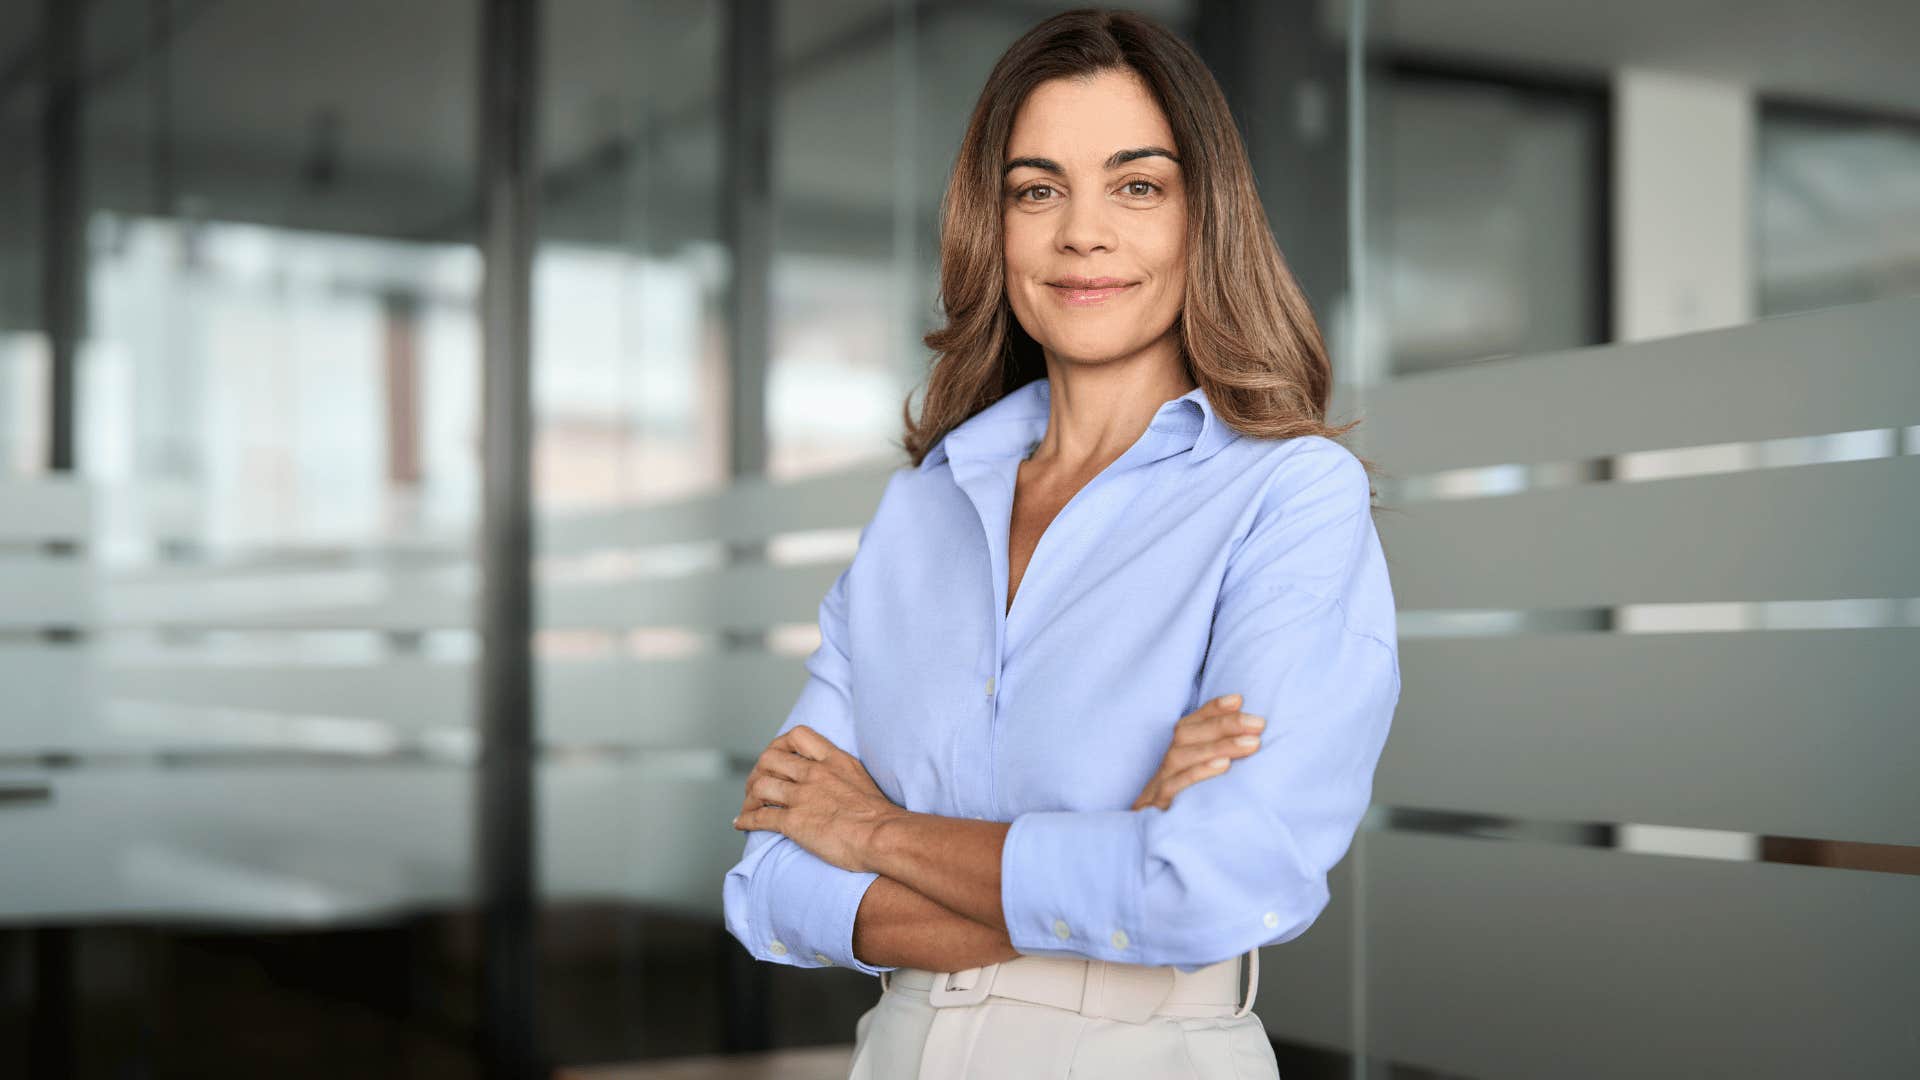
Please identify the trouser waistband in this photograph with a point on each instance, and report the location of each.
(1129, 992)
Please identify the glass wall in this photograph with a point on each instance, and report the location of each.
(1838, 205)
(631, 272)
(632, 361)
(239, 632)
(849, 273)
(1488, 208)
(280, 273)
(1638, 279)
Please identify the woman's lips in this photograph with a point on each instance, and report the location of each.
(1082, 297)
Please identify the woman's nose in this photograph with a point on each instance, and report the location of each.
(1085, 228)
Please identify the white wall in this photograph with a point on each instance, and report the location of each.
(1683, 195)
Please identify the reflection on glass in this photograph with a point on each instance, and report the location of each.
(1839, 207)
(250, 386)
(630, 272)
(252, 726)
(1483, 232)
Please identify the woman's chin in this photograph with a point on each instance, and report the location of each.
(1095, 349)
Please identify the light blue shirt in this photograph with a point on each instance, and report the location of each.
(1201, 562)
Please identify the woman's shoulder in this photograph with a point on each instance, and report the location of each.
(904, 501)
(1301, 448)
(1305, 466)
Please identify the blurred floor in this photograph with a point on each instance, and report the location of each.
(812, 1063)
(624, 994)
(618, 986)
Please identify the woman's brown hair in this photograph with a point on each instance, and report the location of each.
(1248, 337)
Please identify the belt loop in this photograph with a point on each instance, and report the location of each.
(1250, 963)
(1093, 986)
(975, 983)
(1125, 992)
(884, 981)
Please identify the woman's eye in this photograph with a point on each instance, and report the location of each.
(1139, 189)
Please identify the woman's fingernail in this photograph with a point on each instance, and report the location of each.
(736, 822)
(1252, 723)
(1218, 763)
(1231, 701)
(1247, 740)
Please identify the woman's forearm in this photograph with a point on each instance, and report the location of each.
(899, 927)
(955, 862)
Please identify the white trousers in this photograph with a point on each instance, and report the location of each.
(905, 1037)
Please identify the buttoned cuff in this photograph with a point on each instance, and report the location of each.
(821, 901)
(1070, 883)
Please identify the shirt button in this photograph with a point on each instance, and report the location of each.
(1119, 939)
(1272, 920)
(989, 686)
(777, 948)
(1060, 929)
(822, 957)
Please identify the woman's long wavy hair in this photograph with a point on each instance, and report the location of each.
(1248, 337)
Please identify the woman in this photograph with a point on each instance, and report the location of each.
(1025, 781)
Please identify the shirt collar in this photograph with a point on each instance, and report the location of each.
(1010, 426)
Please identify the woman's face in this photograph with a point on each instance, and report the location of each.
(1093, 191)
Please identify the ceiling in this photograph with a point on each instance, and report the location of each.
(1858, 53)
(359, 114)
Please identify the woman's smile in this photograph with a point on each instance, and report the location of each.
(1080, 292)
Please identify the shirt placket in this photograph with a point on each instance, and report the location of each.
(990, 491)
(1030, 584)
(989, 486)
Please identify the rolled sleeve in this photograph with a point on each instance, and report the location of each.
(1304, 632)
(784, 903)
(788, 906)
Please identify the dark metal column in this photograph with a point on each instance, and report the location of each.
(51, 1041)
(746, 125)
(1286, 82)
(509, 50)
(63, 241)
(54, 1027)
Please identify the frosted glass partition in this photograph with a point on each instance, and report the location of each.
(1648, 805)
(707, 698)
(47, 590)
(1510, 959)
(633, 736)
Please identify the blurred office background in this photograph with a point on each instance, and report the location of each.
(1626, 294)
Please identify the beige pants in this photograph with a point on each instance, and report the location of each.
(905, 1037)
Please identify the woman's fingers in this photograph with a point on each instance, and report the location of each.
(1194, 726)
(1161, 792)
(782, 763)
(1187, 765)
(1206, 727)
(1211, 733)
(787, 760)
(1181, 758)
(807, 742)
(1186, 778)
(771, 789)
(1235, 723)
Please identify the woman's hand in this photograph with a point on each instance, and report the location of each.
(818, 795)
(1205, 741)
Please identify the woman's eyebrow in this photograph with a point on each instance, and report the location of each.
(1117, 159)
